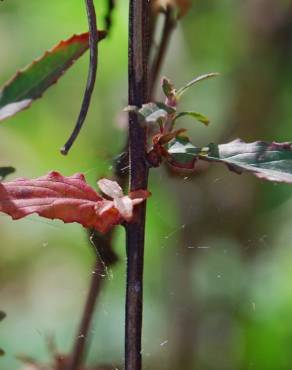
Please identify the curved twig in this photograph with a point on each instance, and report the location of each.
(93, 46)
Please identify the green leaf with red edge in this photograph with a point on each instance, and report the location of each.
(269, 161)
(31, 82)
(69, 199)
(198, 116)
(5, 171)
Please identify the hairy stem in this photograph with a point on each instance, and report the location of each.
(139, 33)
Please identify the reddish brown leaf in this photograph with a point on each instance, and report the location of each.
(69, 199)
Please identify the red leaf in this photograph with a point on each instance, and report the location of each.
(69, 199)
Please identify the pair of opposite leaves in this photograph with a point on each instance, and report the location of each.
(70, 199)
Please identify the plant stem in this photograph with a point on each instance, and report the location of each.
(105, 258)
(82, 334)
(139, 33)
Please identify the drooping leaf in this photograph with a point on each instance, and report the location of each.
(69, 199)
(31, 82)
(269, 161)
(183, 89)
(5, 171)
(198, 116)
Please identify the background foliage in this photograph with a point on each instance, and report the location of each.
(218, 270)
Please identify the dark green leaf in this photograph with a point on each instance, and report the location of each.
(270, 161)
(30, 83)
(198, 116)
(182, 153)
(5, 171)
(2, 352)
(183, 89)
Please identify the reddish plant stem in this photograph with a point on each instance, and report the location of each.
(139, 36)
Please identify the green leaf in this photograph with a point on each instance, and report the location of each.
(31, 82)
(182, 153)
(183, 89)
(2, 352)
(152, 112)
(269, 161)
(198, 116)
(5, 171)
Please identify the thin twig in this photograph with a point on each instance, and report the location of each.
(169, 26)
(139, 33)
(106, 257)
(93, 46)
(82, 335)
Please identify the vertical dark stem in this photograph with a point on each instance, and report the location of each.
(139, 32)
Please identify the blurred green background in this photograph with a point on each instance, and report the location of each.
(218, 292)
